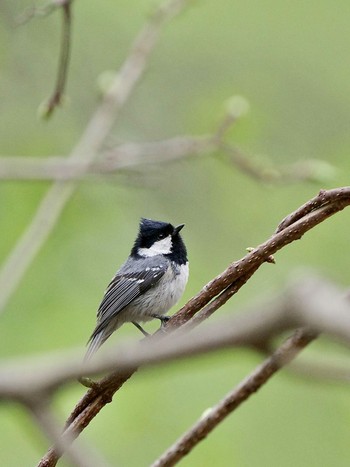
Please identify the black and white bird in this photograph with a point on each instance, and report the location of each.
(147, 285)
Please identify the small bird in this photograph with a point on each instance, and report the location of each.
(147, 285)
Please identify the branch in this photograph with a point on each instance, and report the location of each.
(86, 150)
(213, 417)
(216, 292)
(309, 170)
(311, 302)
(46, 108)
(304, 304)
(44, 376)
(292, 228)
(124, 156)
(56, 97)
(132, 154)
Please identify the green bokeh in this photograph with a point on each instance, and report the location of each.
(291, 61)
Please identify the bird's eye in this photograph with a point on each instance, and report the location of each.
(161, 235)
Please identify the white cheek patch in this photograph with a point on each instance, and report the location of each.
(162, 247)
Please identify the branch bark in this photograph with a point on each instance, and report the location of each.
(206, 424)
(57, 95)
(212, 296)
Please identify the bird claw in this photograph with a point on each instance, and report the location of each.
(164, 320)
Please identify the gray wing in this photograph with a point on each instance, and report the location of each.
(132, 280)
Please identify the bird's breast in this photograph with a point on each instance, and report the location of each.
(168, 291)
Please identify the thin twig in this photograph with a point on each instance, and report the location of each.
(309, 170)
(58, 94)
(281, 357)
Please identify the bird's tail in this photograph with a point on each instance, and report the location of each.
(95, 342)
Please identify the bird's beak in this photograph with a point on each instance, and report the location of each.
(177, 229)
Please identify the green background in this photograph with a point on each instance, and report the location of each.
(291, 61)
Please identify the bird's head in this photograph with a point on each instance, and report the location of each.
(158, 238)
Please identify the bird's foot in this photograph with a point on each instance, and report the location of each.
(163, 321)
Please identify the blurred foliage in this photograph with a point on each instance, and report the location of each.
(291, 61)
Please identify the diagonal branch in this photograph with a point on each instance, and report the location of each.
(209, 299)
(222, 287)
(207, 423)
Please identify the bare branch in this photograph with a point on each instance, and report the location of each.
(124, 156)
(57, 96)
(130, 155)
(305, 304)
(331, 201)
(17, 382)
(307, 170)
(214, 416)
(218, 291)
(85, 151)
(46, 108)
(324, 198)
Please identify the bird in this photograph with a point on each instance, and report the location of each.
(147, 285)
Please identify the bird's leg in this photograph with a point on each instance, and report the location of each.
(145, 333)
